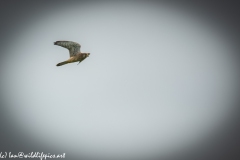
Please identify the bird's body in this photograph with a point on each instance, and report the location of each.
(74, 52)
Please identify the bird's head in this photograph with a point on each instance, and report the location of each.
(85, 55)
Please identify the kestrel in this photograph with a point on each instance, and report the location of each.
(74, 52)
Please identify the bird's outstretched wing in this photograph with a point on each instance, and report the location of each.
(73, 47)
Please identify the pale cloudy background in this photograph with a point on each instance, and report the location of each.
(160, 79)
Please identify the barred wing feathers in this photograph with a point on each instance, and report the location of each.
(73, 47)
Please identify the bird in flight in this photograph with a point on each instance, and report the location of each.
(74, 52)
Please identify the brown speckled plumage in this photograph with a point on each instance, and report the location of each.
(74, 52)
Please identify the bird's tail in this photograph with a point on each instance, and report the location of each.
(62, 63)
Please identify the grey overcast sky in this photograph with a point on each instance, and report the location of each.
(160, 79)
